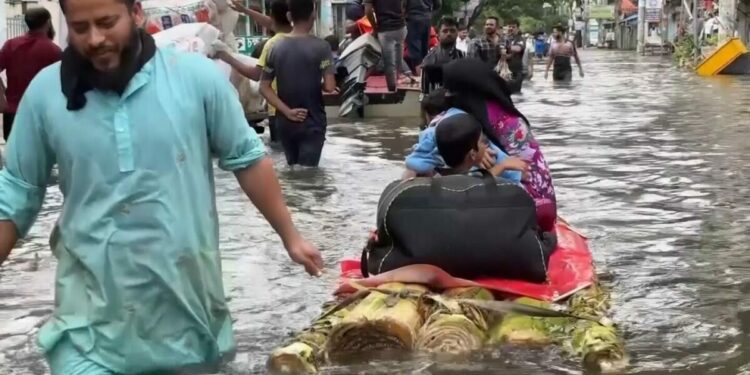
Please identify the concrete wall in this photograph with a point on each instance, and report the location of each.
(743, 24)
(735, 19)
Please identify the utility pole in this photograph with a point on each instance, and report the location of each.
(642, 26)
(585, 15)
(696, 33)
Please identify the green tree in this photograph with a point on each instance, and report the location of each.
(532, 14)
(530, 24)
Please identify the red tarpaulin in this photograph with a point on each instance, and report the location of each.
(570, 269)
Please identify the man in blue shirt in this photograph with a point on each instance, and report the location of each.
(133, 129)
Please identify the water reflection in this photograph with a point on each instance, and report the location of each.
(651, 163)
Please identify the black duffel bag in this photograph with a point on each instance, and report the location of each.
(468, 226)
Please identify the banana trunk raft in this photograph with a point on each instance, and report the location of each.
(410, 317)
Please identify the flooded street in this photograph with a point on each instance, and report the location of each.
(652, 164)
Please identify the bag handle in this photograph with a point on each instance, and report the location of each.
(489, 181)
(488, 178)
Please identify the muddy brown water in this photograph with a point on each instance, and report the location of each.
(651, 163)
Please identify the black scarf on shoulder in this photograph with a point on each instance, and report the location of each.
(471, 82)
(78, 76)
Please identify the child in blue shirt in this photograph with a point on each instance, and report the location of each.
(462, 147)
(425, 157)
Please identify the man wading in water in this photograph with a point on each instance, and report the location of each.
(133, 129)
(560, 53)
(446, 51)
(488, 47)
(515, 46)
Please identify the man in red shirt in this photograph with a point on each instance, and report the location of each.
(22, 58)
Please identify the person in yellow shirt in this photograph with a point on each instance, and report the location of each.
(280, 25)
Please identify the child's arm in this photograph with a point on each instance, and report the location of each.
(509, 168)
(296, 115)
(512, 169)
(425, 157)
(269, 74)
(251, 72)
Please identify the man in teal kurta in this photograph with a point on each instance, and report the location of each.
(133, 129)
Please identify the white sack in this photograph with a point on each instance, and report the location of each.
(189, 37)
(248, 90)
(165, 14)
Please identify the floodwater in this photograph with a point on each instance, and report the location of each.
(651, 163)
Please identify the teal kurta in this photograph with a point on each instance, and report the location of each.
(138, 284)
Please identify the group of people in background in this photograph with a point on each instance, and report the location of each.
(509, 53)
(404, 31)
(506, 50)
(410, 46)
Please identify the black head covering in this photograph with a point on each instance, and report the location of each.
(78, 76)
(471, 82)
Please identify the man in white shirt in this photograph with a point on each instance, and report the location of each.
(462, 42)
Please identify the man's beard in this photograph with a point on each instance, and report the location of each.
(118, 78)
(448, 44)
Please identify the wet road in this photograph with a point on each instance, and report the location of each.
(651, 163)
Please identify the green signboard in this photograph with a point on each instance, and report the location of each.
(246, 44)
(602, 12)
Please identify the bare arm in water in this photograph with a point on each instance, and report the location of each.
(260, 184)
